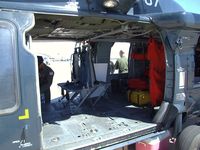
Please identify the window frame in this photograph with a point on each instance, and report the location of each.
(13, 33)
(116, 71)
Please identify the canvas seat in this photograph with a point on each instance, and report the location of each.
(87, 86)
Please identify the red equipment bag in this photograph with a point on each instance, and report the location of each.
(156, 57)
(137, 56)
(138, 84)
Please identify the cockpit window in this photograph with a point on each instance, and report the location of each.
(197, 63)
(197, 59)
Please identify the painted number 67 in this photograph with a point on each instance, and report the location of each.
(151, 3)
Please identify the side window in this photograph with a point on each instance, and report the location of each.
(197, 63)
(8, 73)
(119, 58)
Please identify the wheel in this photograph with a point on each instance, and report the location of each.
(189, 139)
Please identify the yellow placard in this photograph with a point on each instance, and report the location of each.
(25, 116)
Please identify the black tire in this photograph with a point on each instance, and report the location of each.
(189, 139)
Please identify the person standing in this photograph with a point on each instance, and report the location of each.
(45, 78)
(122, 63)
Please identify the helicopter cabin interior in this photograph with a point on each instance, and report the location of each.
(99, 107)
(125, 109)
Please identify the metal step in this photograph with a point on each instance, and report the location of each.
(93, 132)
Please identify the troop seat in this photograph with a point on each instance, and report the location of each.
(82, 94)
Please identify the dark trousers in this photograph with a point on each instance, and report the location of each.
(47, 96)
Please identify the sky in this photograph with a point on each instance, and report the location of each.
(56, 49)
(190, 5)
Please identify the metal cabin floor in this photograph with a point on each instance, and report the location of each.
(110, 121)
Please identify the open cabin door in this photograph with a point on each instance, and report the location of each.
(20, 121)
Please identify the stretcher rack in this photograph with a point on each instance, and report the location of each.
(96, 92)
